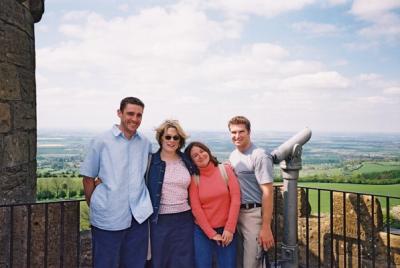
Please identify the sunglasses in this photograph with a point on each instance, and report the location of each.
(169, 137)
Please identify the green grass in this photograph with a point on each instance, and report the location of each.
(84, 211)
(321, 170)
(369, 167)
(386, 190)
(350, 168)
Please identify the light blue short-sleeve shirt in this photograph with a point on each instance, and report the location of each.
(121, 164)
(252, 167)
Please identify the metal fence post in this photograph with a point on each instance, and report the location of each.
(289, 157)
(290, 173)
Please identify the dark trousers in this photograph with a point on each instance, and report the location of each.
(124, 248)
(206, 248)
(172, 241)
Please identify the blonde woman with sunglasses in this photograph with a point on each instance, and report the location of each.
(169, 176)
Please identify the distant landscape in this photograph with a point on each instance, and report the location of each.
(350, 158)
(366, 163)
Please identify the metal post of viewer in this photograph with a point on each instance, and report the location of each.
(289, 157)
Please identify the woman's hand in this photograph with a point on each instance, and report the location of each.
(227, 238)
(218, 239)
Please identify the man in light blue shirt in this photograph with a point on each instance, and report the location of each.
(120, 205)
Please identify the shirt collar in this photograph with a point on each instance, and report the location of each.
(117, 132)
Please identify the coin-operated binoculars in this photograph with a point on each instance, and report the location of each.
(288, 155)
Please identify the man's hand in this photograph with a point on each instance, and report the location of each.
(266, 238)
(88, 188)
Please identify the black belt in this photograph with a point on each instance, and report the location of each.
(251, 205)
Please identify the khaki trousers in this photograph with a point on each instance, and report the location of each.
(249, 226)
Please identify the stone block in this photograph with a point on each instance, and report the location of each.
(9, 83)
(365, 214)
(30, 183)
(394, 246)
(28, 87)
(395, 212)
(18, 15)
(24, 116)
(2, 43)
(5, 118)
(1, 150)
(32, 146)
(37, 8)
(16, 149)
(303, 205)
(13, 186)
(18, 47)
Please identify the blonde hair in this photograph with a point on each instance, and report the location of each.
(160, 130)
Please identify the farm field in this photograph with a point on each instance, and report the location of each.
(392, 190)
(340, 161)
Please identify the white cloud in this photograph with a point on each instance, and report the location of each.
(123, 7)
(392, 90)
(341, 62)
(268, 51)
(187, 64)
(319, 80)
(377, 100)
(337, 2)
(369, 77)
(314, 28)
(268, 8)
(384, 21)
(362, 46)
(371, 9)
(76, 15)
(42, 28)
(387, 26)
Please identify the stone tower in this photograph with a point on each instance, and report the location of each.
(18, 99)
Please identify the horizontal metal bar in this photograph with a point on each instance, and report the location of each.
(348, 192)
(42, 203)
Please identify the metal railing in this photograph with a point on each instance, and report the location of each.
(48, 234)
(45, 234)
(341, 229)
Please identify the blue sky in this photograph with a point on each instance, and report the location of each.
(332, 65)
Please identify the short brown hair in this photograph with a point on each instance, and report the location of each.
(204, 147)
(239, 120)
(130, 100)
(160, 130)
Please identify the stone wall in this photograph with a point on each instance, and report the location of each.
(18, 99)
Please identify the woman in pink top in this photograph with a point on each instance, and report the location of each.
(215, 200)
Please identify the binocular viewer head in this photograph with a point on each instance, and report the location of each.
(287, 149)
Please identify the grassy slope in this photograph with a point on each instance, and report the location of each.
(390, 190)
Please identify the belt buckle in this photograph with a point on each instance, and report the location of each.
(248, 206)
